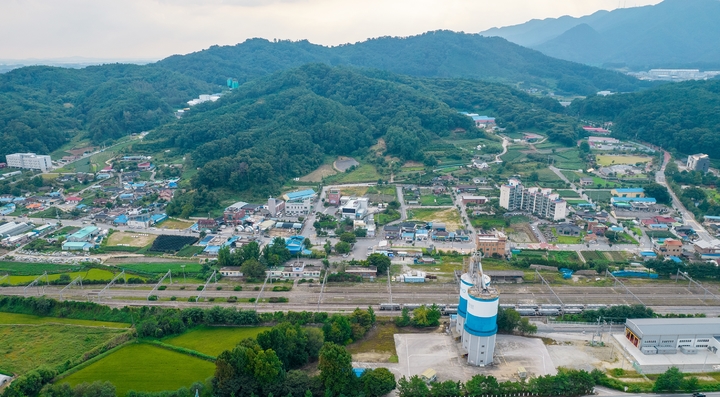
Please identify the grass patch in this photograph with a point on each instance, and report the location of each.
(604, 159)
(175, 224)
(190, 250)
(214, 340)
(432, 200)
(564, 256)
(27, 347)
(450, 216)
(594, 256)
(28, 319)
(568, 194)
(143, 367)
(569, 239)
(380, 339)
(126, 239)
(357, 191)
(598, 196)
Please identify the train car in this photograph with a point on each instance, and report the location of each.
(507, 306)
(550, 306)
(572, 310)
(390, 306)
(526, 306)
(548, 312)
(527, 312)
(411, 306)
(595, 307)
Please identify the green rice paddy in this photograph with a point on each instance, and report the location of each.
(214, 340)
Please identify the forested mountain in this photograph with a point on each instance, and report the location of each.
(674, 33)
(284, 125)
(682, 117)
(432, 54)
(42, 107)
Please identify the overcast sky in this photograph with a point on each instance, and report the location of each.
(154, 29)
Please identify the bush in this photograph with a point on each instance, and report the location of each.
(192, 299)
(218, 288)
(256, 289)
(162, 288)
(237, 288)
(252, 300)
(281, 288)
(182, 288)
(211, 299)
(200, 288)
(278, 299)
(173, 298)
(232, 299)
(152, 297)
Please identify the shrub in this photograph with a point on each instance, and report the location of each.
(173, 298)
(232, 299)
(183, 287)
(278, 299)
(200, 288)
(256, 289)
(162, 287)
(237, 288)
(252, 300)
(218, 288)
(192, 299)
(152, 297)
(211, 299)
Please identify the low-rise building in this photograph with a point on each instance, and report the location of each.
(355, 208)
(29, 161)
(668, 335)
(491, 243)
(669, 247)
(85, 234)
(295, 271)
(231, 271)
(333, 196)
(477, 200)
(631, 192)
(698, 162)
(369, 272)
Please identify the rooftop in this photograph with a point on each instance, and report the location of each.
(675, 326)
(630, 190)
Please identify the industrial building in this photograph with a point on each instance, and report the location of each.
(541, 202)
(30, 161)
(673, 335)
(698, 162)
(355, 208)
(84, 235)
(477, 314)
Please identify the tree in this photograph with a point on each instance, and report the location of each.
(252, 268)
(224, 257)
(533, 176)
(507, 320)
(307, 244)
(670, 381)
(425, 316)
(415, 387)
(657, 191)
(342, 247)
(404, 319)
(337, 329)
(482, 385)
(348, 237)
(377, 382)
(360, 232)
(584, 147)
(382, 262)
(447, 388)
(526, 328)
(336, 371)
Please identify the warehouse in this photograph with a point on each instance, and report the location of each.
(673, 335)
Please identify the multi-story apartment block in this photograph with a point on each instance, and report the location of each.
(29, 161)
(542, 202)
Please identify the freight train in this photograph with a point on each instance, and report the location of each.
(525, 309)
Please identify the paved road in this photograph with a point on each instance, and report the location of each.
(688, 217)
(505, 142)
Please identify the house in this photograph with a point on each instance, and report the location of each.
(296, 271)
(491, 243)
(145, 166)
(438, 226)
(231, 271)
(166, 194)
(586, 181)
(333, 197)
(73, 199)
(664, 220)
(568, 229)
(669, 247)
(234, 214)
(704, 247)
(633, 192)
(207, 224)
(392, 232)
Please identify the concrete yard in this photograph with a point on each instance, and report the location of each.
(418, 352)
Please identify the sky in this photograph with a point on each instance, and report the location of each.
(154, 29)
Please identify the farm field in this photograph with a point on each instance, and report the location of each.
(189, 251)
(353, 190)
(363, 173)
(161, 268)
(214, 340)
(175, 224)
(323, 171)
(144, 367)
(450, 216)
(27, 347)
(171, 243)
(598, 195)
(604, 159)
(91, 274)
(568, 194)
(594, 256)
(34, 268)
(129, 239)
(29, 319)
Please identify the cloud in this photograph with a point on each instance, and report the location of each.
(158, 28)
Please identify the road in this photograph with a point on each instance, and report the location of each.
(505, 142)
(688, 217)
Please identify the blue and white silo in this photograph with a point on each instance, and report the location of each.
(480, 322)
(465, 285)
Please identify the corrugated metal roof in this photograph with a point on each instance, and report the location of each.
(675, 326)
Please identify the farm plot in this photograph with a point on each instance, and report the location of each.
(25, 347)
(594, 256)
(170, 243)
(143, 367)
(436, 200)
(175, 224)
(91, 274)
(20, 268)
(214, 340)
(127, 239)
(29, 319)
(162, 268)
(604, 160)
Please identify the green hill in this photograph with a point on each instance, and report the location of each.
(283, 126)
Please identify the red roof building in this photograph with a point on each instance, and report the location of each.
(73, 199)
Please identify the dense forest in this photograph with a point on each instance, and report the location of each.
(42, 107)
(432, 54)
(681, 117)
(284, 125)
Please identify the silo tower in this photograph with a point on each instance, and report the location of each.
(480, 322)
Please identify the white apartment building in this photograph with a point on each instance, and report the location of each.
(298, 208)
(541, 202)
(30, 161)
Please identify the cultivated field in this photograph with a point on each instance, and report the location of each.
(323, 171)
(161, 268)
(34, 268)
(92, 274)
(144, 367)
(604, 160)
(450, 216)
(214, 340)
(128, 239)
(25, 347)
(29, 319)
(357, 191)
